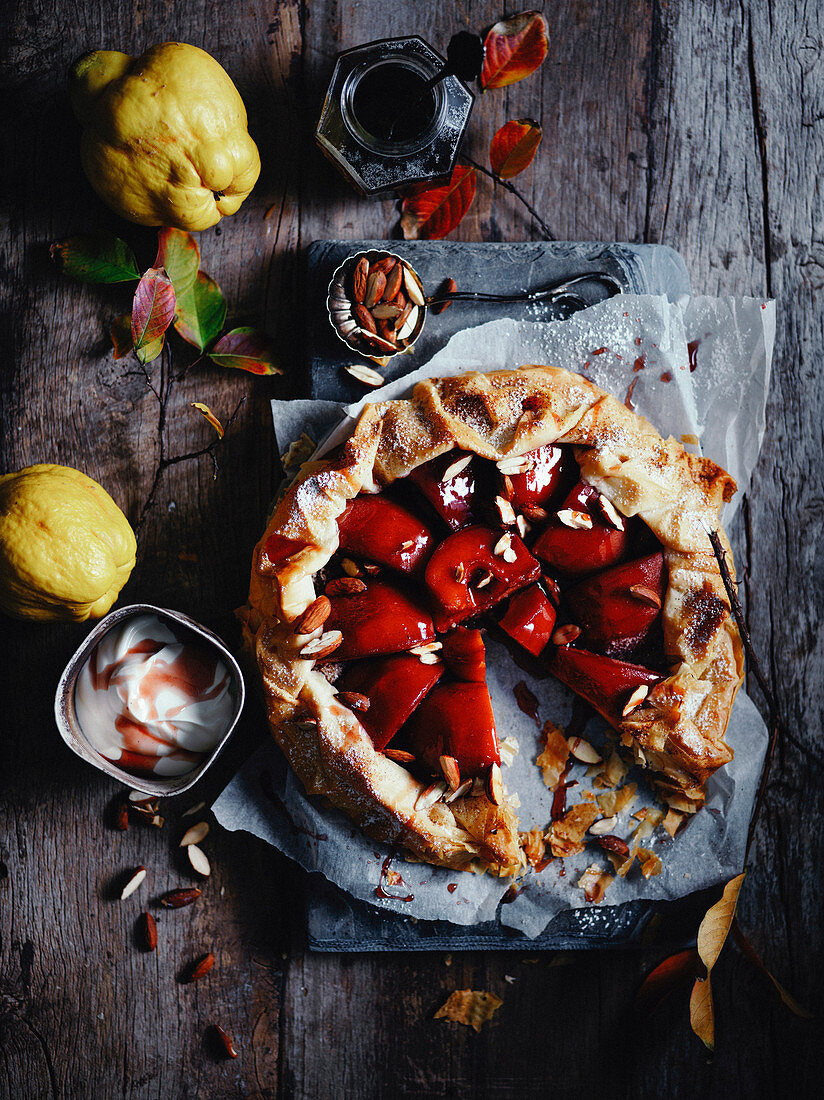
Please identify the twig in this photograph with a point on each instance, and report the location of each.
(514, 191)
(755, 664)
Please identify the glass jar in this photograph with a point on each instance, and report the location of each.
(382, 126)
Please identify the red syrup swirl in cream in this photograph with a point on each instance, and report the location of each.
(153, 699)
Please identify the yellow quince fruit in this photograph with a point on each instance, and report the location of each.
(164, 135)
(66, 549)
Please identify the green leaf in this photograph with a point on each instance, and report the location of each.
(179, 255)
(153, 310)
(96, 258)
(245, 349)
(147, 352)
(201, 311)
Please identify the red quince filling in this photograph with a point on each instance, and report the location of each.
(449, 567)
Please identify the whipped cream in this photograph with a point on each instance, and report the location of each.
(152, 698)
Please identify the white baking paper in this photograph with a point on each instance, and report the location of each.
(626, 341)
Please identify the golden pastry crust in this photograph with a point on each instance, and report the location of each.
(678, 731)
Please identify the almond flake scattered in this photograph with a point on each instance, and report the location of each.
(604, 825)
(570, 517)
(553, 759)
(349, 567)
(636, 699)
(195, 834)
(198, 806)
(133, 883)
(506, 511)
(514, 464)
(523, 527)
(583, 751)
(503, 543)
(456, 468)
(594, 882)
(366, 375)
(464, 788)
(198, 860)
(484, 581)
(428, 796)
(451, 771)
(321, 647)
(566, 634)
(510, 979)
(472, 1007)
(428, 647)
(610, 513)
(408, 544)
(139, 797)
(429, 659)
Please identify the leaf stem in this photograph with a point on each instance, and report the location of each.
(514, 191)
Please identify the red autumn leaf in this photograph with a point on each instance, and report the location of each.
(673, 972)
(179, 256)
(429, 213)
(153, 309)
(245, 349)
(513, 147)
(513, 49)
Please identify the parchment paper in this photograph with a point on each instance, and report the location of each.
(721, 403)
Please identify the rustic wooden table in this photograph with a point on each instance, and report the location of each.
(699, 125)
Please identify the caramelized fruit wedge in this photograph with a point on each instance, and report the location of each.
(617, 608)
(455, 720)
(606, 684)
(464, 654)
(454, 498)
(465, 575)
(529, 619)
(380, 619)
(544, 478)
(394, 685)
(581, 549)
(377, 528)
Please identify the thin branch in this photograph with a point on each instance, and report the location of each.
(514, 191)
(755, 664)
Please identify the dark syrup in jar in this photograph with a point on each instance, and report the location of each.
(393, 104)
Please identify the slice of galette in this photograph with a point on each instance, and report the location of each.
(525, 502)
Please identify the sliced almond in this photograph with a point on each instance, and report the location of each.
(157, 821)
(646, 595)
(386, 311)
(451, 771)
(509, 555)
(566, 634)
(321, 647)
(408, 327)
(523, 527)
(413, 287)
(460, 572)
(379, 343)
(195, 834)
(456, 468)
(345, 586)
(459, 792)
(198, 806)
(502, 545)
(134, 881)
(509, 488)
(140, 799)
(604, 825)
(314, 616)
(370, 568)
(428, 647)
(610, 513)
(506, 511)
(400, 756)
(514, 464)
(350, 568)
(636, 699)
(355, 700)
(366, 375)
(494, 785)
(430, 795)
(486, 579)
(429, 659)
(570, 517)
(583, 751)
(408, 544)
(198, 860)
(535, 512)
(553, 589)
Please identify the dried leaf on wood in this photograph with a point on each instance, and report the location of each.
(513, 147)
(96, 258)
(472, 1007)
(713, 930)
(669, 975)
(750, 953)
(179, 255)
(245, 349)
(153, 310)
(429, 213)
(210, 416)
(201, 311)
(702, 1016)
(513, 49)
(121, 334)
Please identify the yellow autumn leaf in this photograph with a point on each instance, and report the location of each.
(472, 1007)
(712, 933)
(702, 1016)
(210, 416)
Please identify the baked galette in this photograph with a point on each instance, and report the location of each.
(527, 503)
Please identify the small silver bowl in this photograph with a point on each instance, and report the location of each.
(341, 305)
(75, 738)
